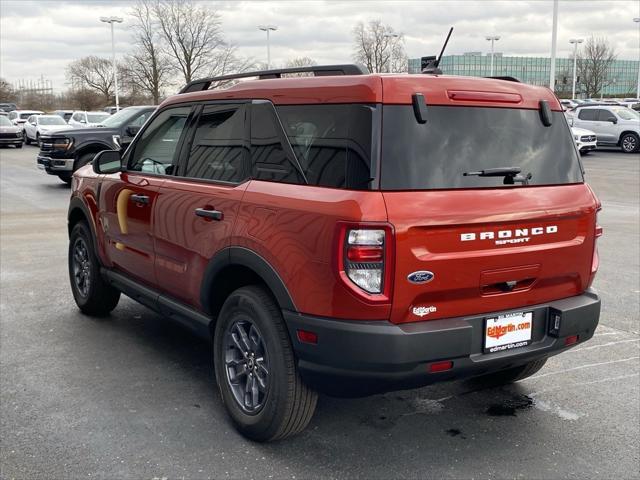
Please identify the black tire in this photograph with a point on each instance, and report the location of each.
(26, 138)
(630, 143)
(84, 159)
(504, 377)
(92, 294)
(287, 404)
(18, 145)
(38, 140)
(65, 178)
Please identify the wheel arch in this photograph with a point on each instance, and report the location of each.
(626, 132)
(94, 148)
(235, 267)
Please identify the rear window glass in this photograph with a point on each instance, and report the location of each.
(331, 142)
(455, 140)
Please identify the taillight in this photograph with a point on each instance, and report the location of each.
(366, 259)
(595, 261)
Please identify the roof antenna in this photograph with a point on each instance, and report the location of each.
(430, 64)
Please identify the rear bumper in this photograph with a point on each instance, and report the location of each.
(360, 358)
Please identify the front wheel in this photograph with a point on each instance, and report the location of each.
(92, 294)
(38, 140)
(27, 140)
(629, 143)
(256, 370)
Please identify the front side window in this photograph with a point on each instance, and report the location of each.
(459, 140)
(156, 149)
(219, 146)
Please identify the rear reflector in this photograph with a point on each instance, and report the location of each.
(440, 366)
(306, 336)
(571, 340)
(365, 254)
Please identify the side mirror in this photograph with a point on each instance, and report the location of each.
(613, 120)
(83, 121)
(107, 161)
(132, 130)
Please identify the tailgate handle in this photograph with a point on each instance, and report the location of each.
(507, 280)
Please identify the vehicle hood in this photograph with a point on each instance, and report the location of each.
(54, 128)
(10, 129)
(581, 131)
(79, 132)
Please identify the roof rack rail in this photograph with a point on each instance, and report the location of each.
(317, 70)
(507, 78)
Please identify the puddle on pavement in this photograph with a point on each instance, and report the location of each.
(510, 406)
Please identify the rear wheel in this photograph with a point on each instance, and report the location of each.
(630, 143)
(256, 370)
(504, 377)
(92, 294)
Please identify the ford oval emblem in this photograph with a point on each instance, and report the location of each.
(422, 276)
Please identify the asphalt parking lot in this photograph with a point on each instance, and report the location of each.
(133, 396)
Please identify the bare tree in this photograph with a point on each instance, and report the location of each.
(148, 67)
(192, 34)
(93, 72)
(300, 62)
(593, 64)
(379, 47)
(6, 91)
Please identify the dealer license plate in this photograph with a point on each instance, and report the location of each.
(509, 331)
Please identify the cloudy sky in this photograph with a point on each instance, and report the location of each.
(42, 37)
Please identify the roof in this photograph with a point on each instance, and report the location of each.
(381, 88)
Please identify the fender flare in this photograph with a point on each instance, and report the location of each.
(247, 258)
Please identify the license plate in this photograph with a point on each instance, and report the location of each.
(509, 331)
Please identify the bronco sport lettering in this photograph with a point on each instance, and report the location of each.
(305, 226)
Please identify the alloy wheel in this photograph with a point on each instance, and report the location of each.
(81, 267)
(246, 365)
(629, 143)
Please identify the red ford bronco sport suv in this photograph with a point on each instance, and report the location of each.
(346, 233)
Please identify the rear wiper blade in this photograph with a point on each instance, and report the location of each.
(510, 174)
(495, 172)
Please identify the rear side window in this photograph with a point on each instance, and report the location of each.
(331, 142)
(455, 140)
(219, 148)
(588, 114)
(270, 158)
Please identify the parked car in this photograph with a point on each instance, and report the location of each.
(568, 104)
(586, 140)
(64, 114)
(111, 110)
(8, 107)
(633, 103)
(334, 233)
(19, 117)
(614, 125)
(38, 125)
(10, 134)
(87, 119)
(3, 113)
(62, 153)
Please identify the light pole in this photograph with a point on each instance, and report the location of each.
(111, 21)
(492, 39)
(554, 37)
(575, 42)
(268, 28)
(637, 20)
(389, 36)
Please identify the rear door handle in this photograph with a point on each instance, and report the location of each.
(213, 214)
(141, 199)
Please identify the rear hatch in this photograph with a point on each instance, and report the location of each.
(469, 244)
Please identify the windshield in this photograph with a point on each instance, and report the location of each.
(4, 122)
(123, 117)
(455, 140)
(626, 113)
(96, 117)
(51, 121)
(24, 116)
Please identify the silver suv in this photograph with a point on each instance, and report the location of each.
(614, 125)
